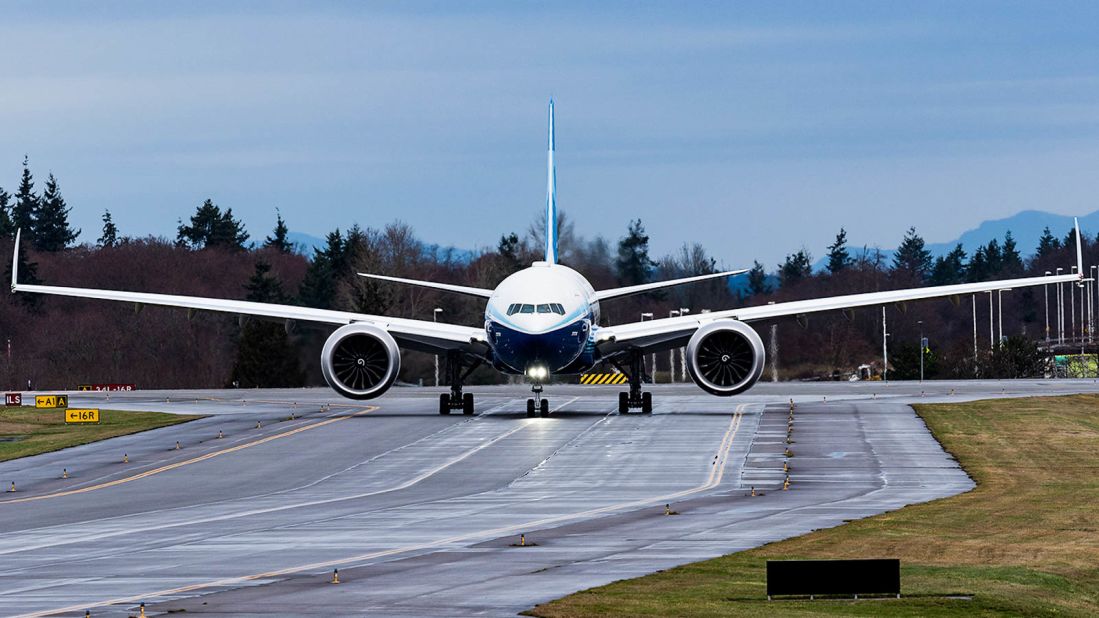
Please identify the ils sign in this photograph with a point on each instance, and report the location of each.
(13, 399)
(51, 401)
(77, 415)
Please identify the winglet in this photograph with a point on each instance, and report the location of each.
(15, 262)
(1079, 249)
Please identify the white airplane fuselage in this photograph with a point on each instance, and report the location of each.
(542, 319)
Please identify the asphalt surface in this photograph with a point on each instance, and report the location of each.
(420, 513)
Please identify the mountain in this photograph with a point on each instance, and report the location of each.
(1026, 226)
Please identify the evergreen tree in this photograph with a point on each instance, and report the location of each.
(510, 251)
(949, 269)
(265, 356)
(838, 256)
(109, 238)
(26, 204)
(633, 265)
(798, 266)
(212, 228)
(1012, 261)
(978, 266)
(318, 288)
(7, 229)
(278, 240)
(51, 220)
(912, 259)
(995, 258)
(757, 280)
(1047, 244)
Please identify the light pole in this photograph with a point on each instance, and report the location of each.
(435, 318)
(1046, 287)
(884, 347)
(674, 313)
(922, 346)
(974, 303)
(991, 330)
(1000, 317)
(683, 352)
(1060, 311)
(649, 315)
(1072, 305)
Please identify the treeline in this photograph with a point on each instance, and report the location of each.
(57, 342)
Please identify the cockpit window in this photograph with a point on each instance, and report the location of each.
(557, 308)
(544, 309)
(514, 308)
(527, 309)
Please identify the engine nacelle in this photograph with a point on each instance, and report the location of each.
(360, 361)
(725, 357)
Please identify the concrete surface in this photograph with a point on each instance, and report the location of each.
(419, 512)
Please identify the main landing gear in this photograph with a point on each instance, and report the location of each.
(457, 372)
(635, 399)
(537, 404)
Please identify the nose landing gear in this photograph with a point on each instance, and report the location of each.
(537, 404)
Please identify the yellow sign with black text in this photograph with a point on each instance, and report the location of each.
(79, 415)
(51, 401)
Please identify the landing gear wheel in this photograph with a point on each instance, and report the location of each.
(530, 408)
(467, 404)
(646, 403)
(444, 404)
(623, 403)
(544, 411)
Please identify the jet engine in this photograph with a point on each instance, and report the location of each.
(725, 357)
(360, 361)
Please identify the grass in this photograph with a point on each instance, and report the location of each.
(1024, 542)
(28, 431)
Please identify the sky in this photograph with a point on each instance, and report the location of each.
(753, 128)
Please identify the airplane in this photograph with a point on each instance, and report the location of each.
(542, 322)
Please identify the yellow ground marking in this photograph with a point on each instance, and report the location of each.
(714, 479)
(187, 462)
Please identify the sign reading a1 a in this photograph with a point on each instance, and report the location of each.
(51, 401)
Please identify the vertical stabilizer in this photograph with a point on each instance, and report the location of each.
(551, 195)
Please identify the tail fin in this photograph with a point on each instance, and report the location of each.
(551, 195)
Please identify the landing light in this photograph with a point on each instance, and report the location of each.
(537, 372)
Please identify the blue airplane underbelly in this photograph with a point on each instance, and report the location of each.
(556, 349)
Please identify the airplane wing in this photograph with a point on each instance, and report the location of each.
(665, 333)
(460, 289)
(421, 335)
(646, 287)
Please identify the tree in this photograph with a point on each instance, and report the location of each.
(510, 252)
(318, 288)
(51, 221)
(633, 265)
(26, 204)
(995, 258)
(978, 266)
(278, 240)
(838, 256)
(109, 238)
(265, 356)
(1047, 244)
(912, 259)
(757, 280)
(210, 228)
(949, 269)
(7, 229)
(798, 266)
(1011, 260)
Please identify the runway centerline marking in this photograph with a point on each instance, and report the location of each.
(187, 462)
(713, 480)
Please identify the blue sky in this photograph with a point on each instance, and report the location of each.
(755, 128)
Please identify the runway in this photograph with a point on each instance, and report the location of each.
(420, 512)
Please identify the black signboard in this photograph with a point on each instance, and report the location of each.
(833, 577)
